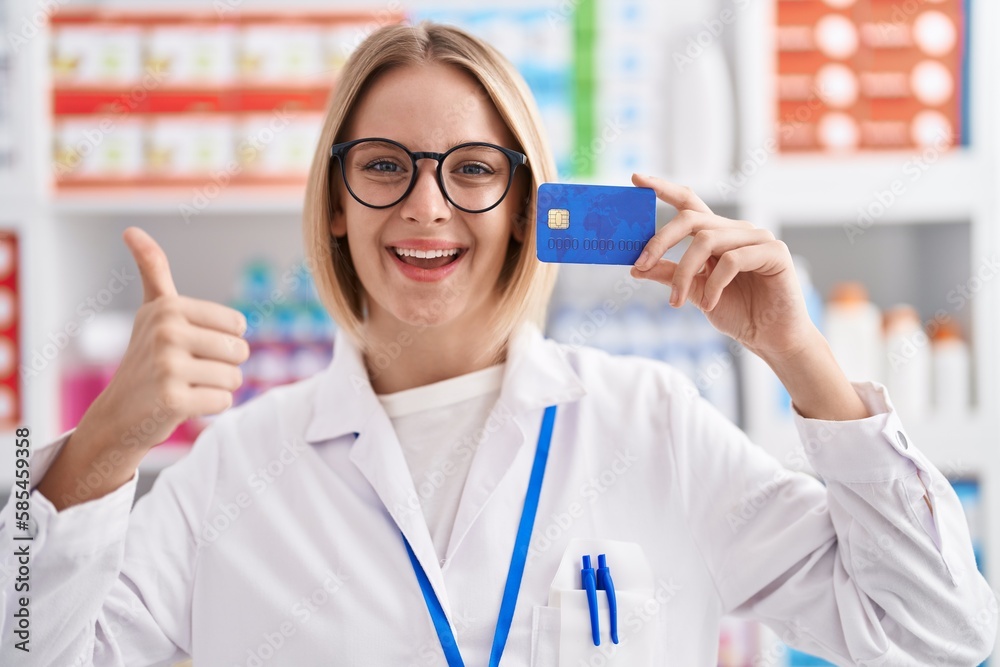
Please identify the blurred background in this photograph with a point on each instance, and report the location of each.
(862, 132)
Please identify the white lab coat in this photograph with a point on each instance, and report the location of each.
(276, 541)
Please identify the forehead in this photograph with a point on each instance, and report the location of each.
(430, 106)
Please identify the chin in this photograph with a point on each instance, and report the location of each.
(428, 312)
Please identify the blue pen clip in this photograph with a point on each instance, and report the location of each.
(605, 583)
(589, 581)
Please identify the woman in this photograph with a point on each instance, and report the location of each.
(431, 496)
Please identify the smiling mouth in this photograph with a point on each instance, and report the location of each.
(427, 259)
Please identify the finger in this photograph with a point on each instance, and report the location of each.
(680, 197)
(216, 346)
(201, 401)
(684, 224)
(152, 263)
(213, 315)
(711, 243)
(208, 373)
(663, 272)
(763, 258)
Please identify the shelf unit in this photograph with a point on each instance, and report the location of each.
(796, 195)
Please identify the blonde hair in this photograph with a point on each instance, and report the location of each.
(525, 283)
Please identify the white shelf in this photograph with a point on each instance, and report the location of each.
(184, 203)
(826, 189)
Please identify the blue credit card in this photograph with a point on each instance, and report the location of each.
(593, 224)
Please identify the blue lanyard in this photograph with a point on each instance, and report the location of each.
(517, 559)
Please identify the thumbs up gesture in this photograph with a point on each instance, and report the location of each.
(182, 359)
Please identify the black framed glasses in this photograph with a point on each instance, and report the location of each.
(474, 176)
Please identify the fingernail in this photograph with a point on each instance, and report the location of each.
(643, 258)
(673, 295)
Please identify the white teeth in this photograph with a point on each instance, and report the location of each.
(425, 254)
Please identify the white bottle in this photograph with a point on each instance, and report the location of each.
(853, 327)
(907, 362)
(951, 370)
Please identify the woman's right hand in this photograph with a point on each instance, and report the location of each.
(182, 360)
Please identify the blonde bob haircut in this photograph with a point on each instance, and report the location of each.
(525, 284)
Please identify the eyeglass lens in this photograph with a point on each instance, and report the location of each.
(474, 177)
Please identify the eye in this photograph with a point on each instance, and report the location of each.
(383, 166)
(474, 169)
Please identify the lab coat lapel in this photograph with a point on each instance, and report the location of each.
(536, 376)
(379, 456)
(346, 404)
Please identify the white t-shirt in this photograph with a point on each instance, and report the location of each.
(440, 427)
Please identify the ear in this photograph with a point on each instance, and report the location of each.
(519, 230)
(338, 221)
(521, 219)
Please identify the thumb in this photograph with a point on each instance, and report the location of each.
(663, 272)
(152, 263)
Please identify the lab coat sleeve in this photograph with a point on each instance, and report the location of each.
(109, 588)
(860, 572)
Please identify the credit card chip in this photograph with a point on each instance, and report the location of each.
(558, 218)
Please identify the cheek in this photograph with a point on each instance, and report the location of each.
(493, 242)
(364, 248)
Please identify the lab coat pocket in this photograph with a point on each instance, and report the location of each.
(545, 637)
(635, 647)
(633, 583)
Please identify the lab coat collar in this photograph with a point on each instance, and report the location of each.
(537, 374)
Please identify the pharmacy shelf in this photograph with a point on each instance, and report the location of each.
(896, 187)
(16, 215)
(185, 203)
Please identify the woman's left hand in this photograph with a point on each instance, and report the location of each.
(739, 275)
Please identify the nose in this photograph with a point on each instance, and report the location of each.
(425, 203)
